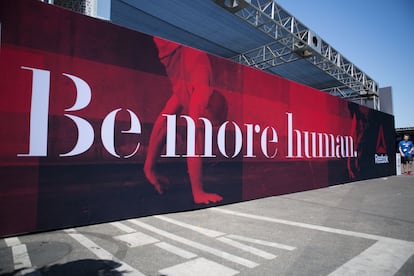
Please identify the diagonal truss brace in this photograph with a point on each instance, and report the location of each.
(269, 55)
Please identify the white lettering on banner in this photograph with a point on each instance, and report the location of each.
(263, 141)
(326, 146)
(221, 138)
(39, 118)
(300, 143)
(249, 137)
(38, 112)
(381, 159)
(108, 131)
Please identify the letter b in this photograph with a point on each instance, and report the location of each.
(38, 134)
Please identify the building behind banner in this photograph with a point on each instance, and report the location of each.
(88, 106)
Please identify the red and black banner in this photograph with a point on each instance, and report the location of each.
(101, 123)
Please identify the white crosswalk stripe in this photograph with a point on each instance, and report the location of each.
(247, 248)
(123, 227)
(199, 267)
(201, 230)
(176, 250)
(132, 240)
(21, 257)
(228, 239)
(261, 242)
(136, 239)
(197, 245)
(124, 268)
(12, 241)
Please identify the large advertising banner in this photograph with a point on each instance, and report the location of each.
(100, 123)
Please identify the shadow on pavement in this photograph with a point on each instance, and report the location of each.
(88, 267)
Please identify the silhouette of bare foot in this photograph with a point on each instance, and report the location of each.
(206, 198)
(159, 182)
(351, 174)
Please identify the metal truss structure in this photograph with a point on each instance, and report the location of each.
(293, 41)
(88, 7)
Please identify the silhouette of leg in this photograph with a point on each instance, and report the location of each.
(198, 107)
(156, 144)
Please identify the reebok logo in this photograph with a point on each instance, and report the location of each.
(381, 156)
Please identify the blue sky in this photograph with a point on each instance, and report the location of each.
(104, 8)
(375, 35)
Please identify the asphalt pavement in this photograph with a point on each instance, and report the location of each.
(361, 228)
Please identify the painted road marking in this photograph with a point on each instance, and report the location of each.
(21, 257)
(382, 258)
(136, 239)
(199, 246)
(228, 239)
(304, 225)
(206, 232)
(176, 250)
(199, 267)
(102, 254)
(247, 248)
(12, 241)
(163, 245)
(123, 227)
(385, 257)
(262, 242)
